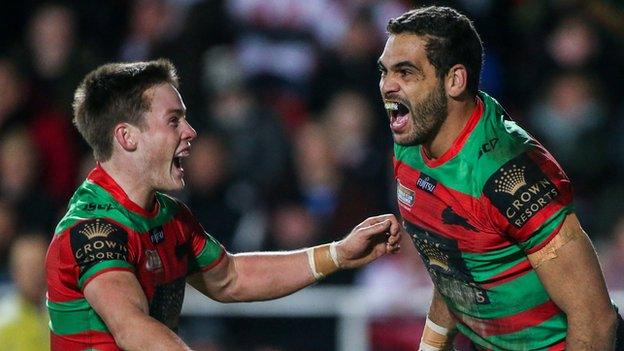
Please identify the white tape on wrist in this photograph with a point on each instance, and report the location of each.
(435, 337)
(310, 253)
(334, 253)
(436, 328)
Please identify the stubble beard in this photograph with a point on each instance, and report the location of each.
(427, 118)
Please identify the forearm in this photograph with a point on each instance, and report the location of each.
(439, 312)
(439, 331)
(269, 275)
(589, 332)
(142, 332)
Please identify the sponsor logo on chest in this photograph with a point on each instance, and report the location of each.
(426, 183)
(405, 195)
(157, 235)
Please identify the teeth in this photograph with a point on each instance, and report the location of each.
(392, 106)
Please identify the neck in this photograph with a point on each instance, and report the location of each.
(459, 112)
(132, 184)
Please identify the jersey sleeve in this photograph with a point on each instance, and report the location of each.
(206, 251)
(98, 246)
(529, 198)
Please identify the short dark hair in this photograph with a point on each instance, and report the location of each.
(114, 93)
(451, 39)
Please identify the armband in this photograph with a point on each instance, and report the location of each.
(323, 260)
(435, 338)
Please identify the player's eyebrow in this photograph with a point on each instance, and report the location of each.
(407, 64)
(177, 111)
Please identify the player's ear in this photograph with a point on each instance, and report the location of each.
(125, 135)
(456, 80)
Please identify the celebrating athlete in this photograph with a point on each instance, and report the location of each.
(488, 208)
(122, 254)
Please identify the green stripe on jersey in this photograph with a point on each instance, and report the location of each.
(209, 253)
(509, 298)
(73, 317)
(93, 201)
(468, 163)
(547, 228)
(485, 265)
(101, 266)
(537, 337)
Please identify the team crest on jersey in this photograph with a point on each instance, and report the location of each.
(519, 190)
(405, 195)
(426, 183)
(152, 262)
(157, 235)
(97, 240)
(446, 267)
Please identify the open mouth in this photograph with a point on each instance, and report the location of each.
(177, 162)
(398, 113)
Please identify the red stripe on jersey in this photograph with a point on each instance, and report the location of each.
(513, 323)
(558, 347)
(99, 176)
(459, 141)
(426, 212)
(512, 273)
(93, 340)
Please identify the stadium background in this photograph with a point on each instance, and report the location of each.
(294, 147)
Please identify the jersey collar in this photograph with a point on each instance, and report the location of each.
(459, 141)
(99, 176)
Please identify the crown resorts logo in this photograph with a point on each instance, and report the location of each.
(97, 229)
(520, 189)
(511, 180)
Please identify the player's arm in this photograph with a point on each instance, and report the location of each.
(439, 331)
(269, 275)
(118, 299)
(569, 270)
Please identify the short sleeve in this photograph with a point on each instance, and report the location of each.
(98, 245)
(206, 251)
(529, 198)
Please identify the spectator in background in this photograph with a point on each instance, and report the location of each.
(23, 318)
(570, 119)
(258, 148)
(153, 24)
(48, 128)
(20, 182)
(52, 58)
(211, 192)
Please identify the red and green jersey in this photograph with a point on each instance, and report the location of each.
(474, 214)
(103, 230)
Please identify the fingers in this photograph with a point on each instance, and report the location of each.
(393, 248)
(395, 226)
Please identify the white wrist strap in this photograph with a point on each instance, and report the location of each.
(333, 253)
(436, 328)
(435, 337)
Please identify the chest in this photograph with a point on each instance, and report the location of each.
(427, 201)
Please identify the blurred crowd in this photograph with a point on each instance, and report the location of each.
(294, 147)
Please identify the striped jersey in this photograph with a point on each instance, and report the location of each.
(103, 230)
(474, 214)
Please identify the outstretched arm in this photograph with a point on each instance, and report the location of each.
(269, 275)
(569, 269)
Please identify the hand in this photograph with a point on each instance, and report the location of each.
(374, 237)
